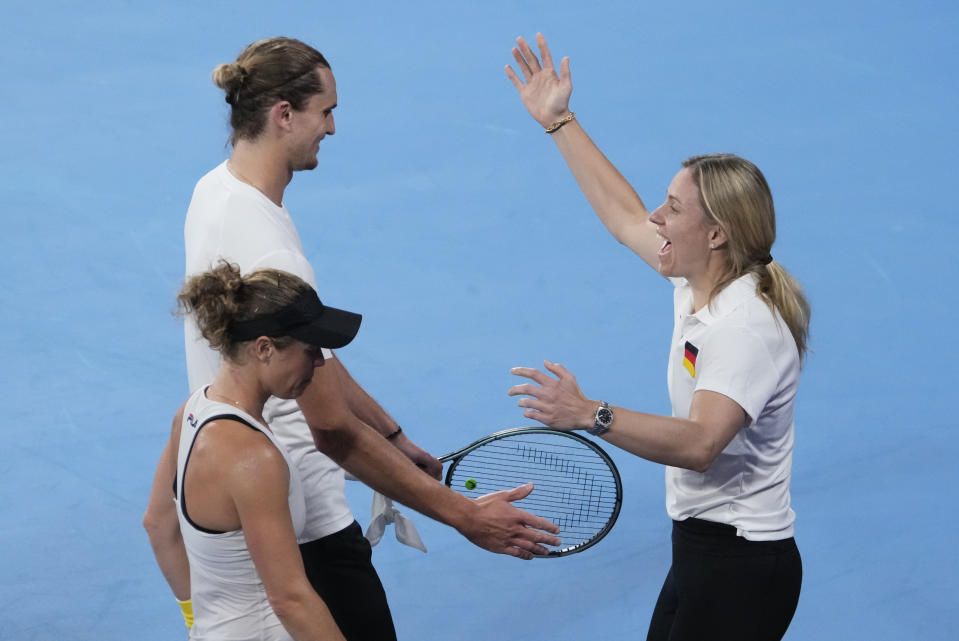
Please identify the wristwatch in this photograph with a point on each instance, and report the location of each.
(602, 420)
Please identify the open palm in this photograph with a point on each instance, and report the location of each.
(544, 93)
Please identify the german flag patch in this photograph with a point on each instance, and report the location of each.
(689, 358)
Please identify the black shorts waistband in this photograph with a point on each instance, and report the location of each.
(701, 526)
(347, 536)
(721, 538)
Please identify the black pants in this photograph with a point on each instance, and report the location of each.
(340, 569)
(722, 586)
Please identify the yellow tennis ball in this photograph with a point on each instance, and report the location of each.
(470, 484)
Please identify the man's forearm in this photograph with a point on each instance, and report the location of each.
(490, 522)
(363, 452)
(360, 402)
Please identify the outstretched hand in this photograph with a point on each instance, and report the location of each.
(499, 527)
(545, 94)
(555, 402)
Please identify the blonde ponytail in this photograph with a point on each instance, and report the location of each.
(735, 195)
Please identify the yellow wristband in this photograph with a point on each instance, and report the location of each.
(187, 608)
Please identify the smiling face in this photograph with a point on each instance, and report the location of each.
(684, 230)
(313, 123)
(289, 370)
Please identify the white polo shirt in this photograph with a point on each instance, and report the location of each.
(230, 219)
(739, 348)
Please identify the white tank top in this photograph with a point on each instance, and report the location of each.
(229, 600)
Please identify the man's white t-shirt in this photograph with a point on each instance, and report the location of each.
(739, 348)
(229, 219)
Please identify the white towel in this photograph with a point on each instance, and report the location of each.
(382, 514)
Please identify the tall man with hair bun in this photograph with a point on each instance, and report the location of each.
(282, 94)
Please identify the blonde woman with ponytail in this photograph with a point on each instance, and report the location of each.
(740, 334)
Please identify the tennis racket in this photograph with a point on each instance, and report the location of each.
(577, 485)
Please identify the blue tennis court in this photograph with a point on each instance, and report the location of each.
(442, 213)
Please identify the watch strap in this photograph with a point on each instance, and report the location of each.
(602, 420)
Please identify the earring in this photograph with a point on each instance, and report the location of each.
(712, 246)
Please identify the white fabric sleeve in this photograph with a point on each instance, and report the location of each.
(288, 261)
(735, 362)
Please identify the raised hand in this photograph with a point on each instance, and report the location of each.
(555, 402)
(545, 94)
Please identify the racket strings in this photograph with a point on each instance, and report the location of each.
(579, 476)
(575, 488)
(600, 493)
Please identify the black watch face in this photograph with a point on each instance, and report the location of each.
(604, 415)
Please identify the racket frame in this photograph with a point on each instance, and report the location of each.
(456, 456)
